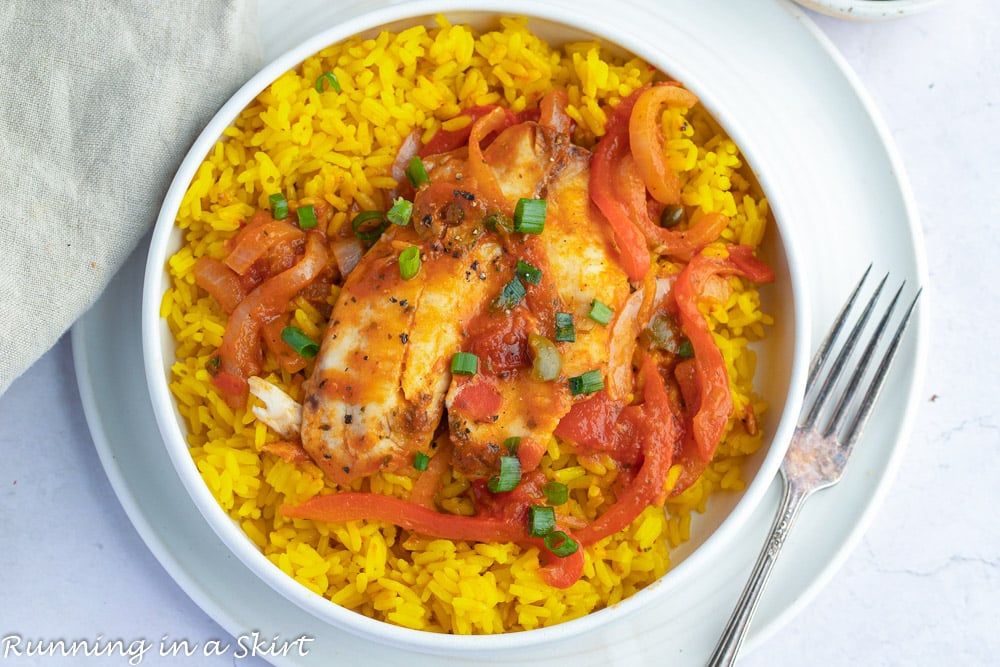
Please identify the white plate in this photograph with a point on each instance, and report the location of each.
(817, 128)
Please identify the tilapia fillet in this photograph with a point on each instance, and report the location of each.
(382, 380)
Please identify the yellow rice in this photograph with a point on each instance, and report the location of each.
(339, 148)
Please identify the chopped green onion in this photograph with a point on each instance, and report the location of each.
(416, 172)
(686, 350)
(409, 262)
(363, 226)
(420, 461)
(541, 520)
(279, 206)
(509, 477)
(307, 217)
(556, 493)
(511, 294)
(511, 444)
(599, 312)
(400, 212)
(528, 273)
(546, 362)
(565, 331)
(303, 345)
(560, 544)
(586, 383)
(464, 363)
(529, 216)
(330, 78)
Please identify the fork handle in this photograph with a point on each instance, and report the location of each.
(735, 630)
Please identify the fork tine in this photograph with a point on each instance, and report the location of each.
(838, 364)
(857, 425)
(824, 348)
(847, 394)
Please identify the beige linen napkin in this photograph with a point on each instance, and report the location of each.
(99, 102)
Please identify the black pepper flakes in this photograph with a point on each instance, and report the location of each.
(348, 419)
(404, 338)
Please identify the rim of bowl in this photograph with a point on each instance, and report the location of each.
(869, 10)
(156, 337)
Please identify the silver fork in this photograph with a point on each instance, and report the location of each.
(818, 452)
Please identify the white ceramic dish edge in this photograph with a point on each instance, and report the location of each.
(156, 360)
(869, 10)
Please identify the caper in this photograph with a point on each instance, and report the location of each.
(497, 221)
(661, 333)
(671, 216)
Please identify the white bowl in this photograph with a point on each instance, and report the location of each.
(869, 10)
(782, 357)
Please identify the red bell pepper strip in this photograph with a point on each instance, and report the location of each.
(560, 571)
(444, 141)
(590, 423)
(349, 506)
(612, 196)
(646, 139)
(628, 162)
(715, 400)
(660, 430)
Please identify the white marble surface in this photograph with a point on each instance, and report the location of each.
(922, 588)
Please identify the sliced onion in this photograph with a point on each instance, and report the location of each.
(553, 112)
(409, 148)
(219, 281)
(241, 354)
(347, 253)
(258, 238)
(480, 171)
